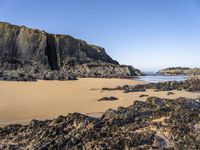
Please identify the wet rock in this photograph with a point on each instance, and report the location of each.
(136, 88)
(143, 95)
(111, 98)
(189, 104)
(192, 85)
(170, 93)
(112, 89)
(152, 124)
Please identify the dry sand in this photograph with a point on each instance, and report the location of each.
(20, 102)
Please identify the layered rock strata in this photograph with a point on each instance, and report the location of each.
(38, 53)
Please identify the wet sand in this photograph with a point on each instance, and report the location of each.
(20, 102)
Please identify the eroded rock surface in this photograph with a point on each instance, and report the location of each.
(34, 52)
(153, 124)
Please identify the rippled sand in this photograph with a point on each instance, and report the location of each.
(21, 102)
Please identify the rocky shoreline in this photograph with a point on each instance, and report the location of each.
(16, 75)
(191, 85)
(31, 52)
(153, 124)
(157, 123)
(180, 71)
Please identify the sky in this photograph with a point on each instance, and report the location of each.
(147, 34)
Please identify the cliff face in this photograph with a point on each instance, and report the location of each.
(37, 52)
(180, 71)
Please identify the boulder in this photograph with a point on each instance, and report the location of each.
(111, 98)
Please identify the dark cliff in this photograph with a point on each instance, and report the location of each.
(39, 53)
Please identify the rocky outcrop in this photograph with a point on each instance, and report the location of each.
(180, 71)
(15, 76)
(153, 124)
(37, 53)
(191, 85)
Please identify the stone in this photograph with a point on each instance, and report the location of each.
(111, 98)
(170, 93)
(143, 95)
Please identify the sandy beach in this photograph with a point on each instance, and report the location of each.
(20, 102)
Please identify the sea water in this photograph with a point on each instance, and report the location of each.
(155, 78)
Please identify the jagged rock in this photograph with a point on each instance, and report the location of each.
(34, 52)
(192, 85)
(152, 124)
(16, 76)
(137, 88)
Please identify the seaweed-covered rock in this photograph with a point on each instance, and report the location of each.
(152, 124)
(191, 85)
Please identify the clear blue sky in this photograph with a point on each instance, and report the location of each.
(148, 34)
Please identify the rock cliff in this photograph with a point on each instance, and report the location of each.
(38, 53)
